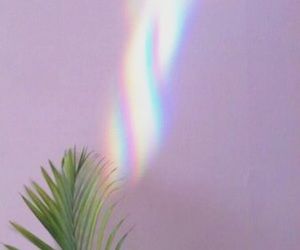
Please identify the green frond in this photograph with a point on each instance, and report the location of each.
(77, 210)
(9, 247)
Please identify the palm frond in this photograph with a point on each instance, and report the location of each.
(77, 210)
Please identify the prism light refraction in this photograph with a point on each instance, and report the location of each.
(135, 126)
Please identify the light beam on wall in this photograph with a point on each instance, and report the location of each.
(135, 126)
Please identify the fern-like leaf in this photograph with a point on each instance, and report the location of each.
(77, 210)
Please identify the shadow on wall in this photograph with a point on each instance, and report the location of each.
(177, 218)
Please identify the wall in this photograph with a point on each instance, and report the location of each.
(227, 175)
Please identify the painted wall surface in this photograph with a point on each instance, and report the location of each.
(227, 174)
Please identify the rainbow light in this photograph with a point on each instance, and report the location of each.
(135, 126)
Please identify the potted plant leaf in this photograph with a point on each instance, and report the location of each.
(76, 208)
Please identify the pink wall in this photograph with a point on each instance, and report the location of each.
(228, 174)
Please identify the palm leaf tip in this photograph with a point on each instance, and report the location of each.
(73, 209)
(9, 247)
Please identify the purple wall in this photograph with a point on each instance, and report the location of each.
(228, 174)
